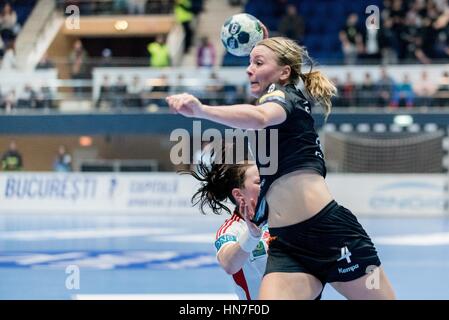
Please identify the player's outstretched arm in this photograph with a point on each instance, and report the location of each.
(242, 116)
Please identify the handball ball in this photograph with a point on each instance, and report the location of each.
(240, 33)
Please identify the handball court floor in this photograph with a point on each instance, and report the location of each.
(173, 257)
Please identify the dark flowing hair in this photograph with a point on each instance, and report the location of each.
(218, 179)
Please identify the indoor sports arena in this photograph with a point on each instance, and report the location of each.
(92, 202)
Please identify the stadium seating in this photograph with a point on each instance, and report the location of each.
(323, 21)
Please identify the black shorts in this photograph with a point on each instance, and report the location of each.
(332, 246)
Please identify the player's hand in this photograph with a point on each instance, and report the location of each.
(247, 212)
(185, 104)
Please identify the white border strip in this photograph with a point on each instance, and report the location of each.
(175, 296)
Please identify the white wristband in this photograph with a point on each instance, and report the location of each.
(247, 242)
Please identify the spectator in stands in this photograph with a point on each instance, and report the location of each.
(441, 26)
(184, 16)
(206, 53)
(27, 98)
(424, 90)
(159, 53)
(134, 93)
(348, 92)
(9, 101)
(9, 27)
(351, 39)
(426, 44)
(413, 26)
(397, 14)
(63, 160)
(44, 98)
(9, 58)
(442, 93)
(407, 30)
(291, 24)
(366, 92)
(104, 100)
(403, 95)
(136, 6)
(388, 43)
(159, 91)
(78, 63)
(45, 62)
(411, 38)
(12, 159)
(385, 87)
(119, 93)
(337, 100)
(214, 90)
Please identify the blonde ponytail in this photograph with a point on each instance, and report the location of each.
(320, 88)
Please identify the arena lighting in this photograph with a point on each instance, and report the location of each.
(403, 120)
(121, 25)
(153, 108)
(85, 141)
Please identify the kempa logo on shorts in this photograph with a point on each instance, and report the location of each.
(350, 269)
(345, 254)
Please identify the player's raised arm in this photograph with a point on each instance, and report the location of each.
(242, 116)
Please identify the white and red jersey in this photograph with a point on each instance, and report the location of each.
(247, 279)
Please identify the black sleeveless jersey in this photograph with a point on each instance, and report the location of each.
(298, 145)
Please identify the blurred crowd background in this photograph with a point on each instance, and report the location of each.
(125, 56)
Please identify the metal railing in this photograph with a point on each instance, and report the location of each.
(119, 165)
(111, 7)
